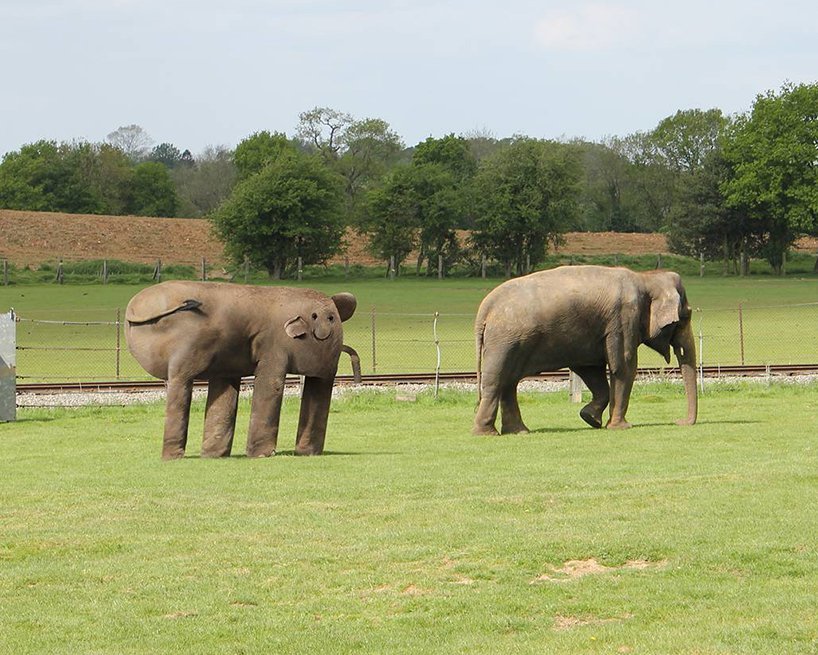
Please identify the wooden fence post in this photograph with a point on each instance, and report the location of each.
(204, 269)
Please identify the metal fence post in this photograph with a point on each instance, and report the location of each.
(372, 324)
(741, 332)
(437, 348)
(118, 341)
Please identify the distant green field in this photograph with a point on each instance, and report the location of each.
(411, 536)
(778, 322)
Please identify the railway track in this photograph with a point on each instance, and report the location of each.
(133, 386)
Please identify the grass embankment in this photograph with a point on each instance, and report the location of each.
(412, 536)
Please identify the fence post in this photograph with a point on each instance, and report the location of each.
(392, 267)
(300, 268)
(60, 275)
(346, 267)
(701, 264)
(372, 324)
(440, 267)
(118, 341)
(8, 367)
(741, 332)
(658, 261)
(701, 352)
(246, 268)
(575, 387)
(105, 271)
(157, 271)
(437, 348)
(204, 269)
(483, 267)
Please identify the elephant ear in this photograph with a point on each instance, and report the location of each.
(346, 304)
(664, 310)
(296, 327)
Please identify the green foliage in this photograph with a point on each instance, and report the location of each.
(290, 208)
(525, 197)
(258, 150)
(773, 152)
(412, 536)
(203, 185)
(152, 191)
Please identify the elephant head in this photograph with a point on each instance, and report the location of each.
(668, 324)
(323, 321)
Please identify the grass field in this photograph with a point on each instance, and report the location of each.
(777, 321)
(412, 536)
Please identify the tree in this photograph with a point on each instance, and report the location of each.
(206, 182)
(258, 150)
(290, 208)
(370, 149)
(390, 217)
(167, 154)
(132, 140)
(773, 152)
(525, 197)
(152, 191)
(324, 129)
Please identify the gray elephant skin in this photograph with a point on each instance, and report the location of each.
(590, 319)
(185, 331)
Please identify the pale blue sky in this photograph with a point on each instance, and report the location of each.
(207, 72)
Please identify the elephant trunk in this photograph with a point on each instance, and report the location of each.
(684, 346)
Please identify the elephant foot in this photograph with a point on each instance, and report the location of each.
(484, 431)
(590, 417)
(686, 421)
(173, 453)
(308, 452)
(515, 429)
(618, 425)
(261, 452)
(209, 454)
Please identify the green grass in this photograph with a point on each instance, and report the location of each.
(776, 316)
(412, 536)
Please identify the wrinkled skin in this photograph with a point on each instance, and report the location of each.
(586, 318)
(186, 331)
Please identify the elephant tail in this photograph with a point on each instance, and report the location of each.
(141, 315)
(479, 332)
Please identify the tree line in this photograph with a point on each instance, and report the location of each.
(723, 187)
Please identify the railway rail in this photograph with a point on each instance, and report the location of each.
(133, 386)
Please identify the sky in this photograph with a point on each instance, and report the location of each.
(199, 73)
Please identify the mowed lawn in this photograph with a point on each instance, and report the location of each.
(412, 536)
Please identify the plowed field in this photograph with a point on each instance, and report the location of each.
(29, 238)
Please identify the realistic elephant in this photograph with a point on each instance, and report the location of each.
(585, 318)
(186, 331)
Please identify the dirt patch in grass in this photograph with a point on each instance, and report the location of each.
(571, 622)
(576, 568)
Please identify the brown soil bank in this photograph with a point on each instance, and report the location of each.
(28, 238)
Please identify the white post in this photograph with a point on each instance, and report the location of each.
(8, 367)
(575, 387)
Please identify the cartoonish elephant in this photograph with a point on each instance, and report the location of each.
(585, 318)
(186, 331)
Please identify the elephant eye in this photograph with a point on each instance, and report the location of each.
(331, 317)
(314, 316)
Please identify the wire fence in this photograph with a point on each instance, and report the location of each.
(90, 346)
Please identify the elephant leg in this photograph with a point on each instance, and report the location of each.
(488, 407)
(511, 419)
(312, 421)
(621, 385)
(220, 416)
(596, 379)
(265, 412)
(177, 417)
